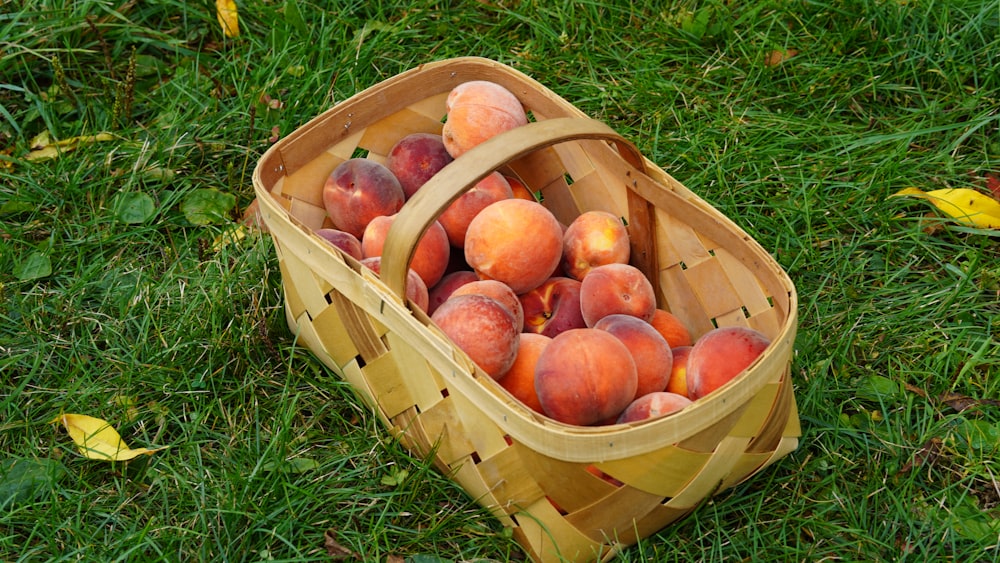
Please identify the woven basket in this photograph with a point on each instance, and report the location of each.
(530, 471)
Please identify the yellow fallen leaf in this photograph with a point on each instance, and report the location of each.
(229, 236)
(45, 150)
(229, 18)
(96, 439)
(967, 206)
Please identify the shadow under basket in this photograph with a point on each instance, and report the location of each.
(568, 493)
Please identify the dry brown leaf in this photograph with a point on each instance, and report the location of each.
(336, 551)
(963, 403)
(778, 56)
(928, 453)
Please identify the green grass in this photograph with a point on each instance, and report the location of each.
(181, 344)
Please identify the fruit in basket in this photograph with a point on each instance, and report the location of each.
(514, 241)
(720, 355)
(585, 376)
(519, 380)
(477, 110)
(357, 191)
(430, 259)
(616, 288)
(415, 158)
(456, 217)
(678, 372)
(499, 291)
(519, 190)
(651, 353)
(345, 241)
(443, 289)
(594, 238)
(416, 289)
(653, 405)
(552, 307)
(482, 328)
(672, 328)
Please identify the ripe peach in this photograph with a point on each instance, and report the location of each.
(651, 353)
(478, 110)
(552, 307)
(482, 328)
(653, 405)
(585, 376)
(519, 190)
(430, 259)
(345, 241)
(499, 291)
(443, 289)
(616, 288)
(415, 158)
(357, 191)
(520, 378)
(594, 238)
(416, 289)
(514, 241)
(672, 328)
(456, 217)
(721, 354)
(678, 373)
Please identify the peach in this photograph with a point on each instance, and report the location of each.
(519, 190)
(672, 328)
(416, 289)
(651, 353)
(594, 238)
(415, 158)
(476, 111)
(653, 405)
(431, 257)
(443, 289)
(344, 241)
(519, 380)
(499, 291)
(456, 217)
(616, 288)
(585, 376)
(720, 355)
(678, 373)
(357, 191)
(514, 241)
(482, 328)
(552, 307)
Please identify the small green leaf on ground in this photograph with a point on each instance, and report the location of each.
(13, 207)
(878, 388)
(395, 478)
(134, 207)
(206, 206)
(35, 266)
(979, 435)
(295, 465)
(23, 479)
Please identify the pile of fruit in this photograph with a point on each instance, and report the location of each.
(555, 313)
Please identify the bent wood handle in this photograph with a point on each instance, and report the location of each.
(464, 172)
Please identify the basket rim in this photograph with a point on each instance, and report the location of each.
(556, 439)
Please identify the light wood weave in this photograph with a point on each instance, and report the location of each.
(530, 471)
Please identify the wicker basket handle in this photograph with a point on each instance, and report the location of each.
(464, 172)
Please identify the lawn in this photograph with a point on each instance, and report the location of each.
(130, 292)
